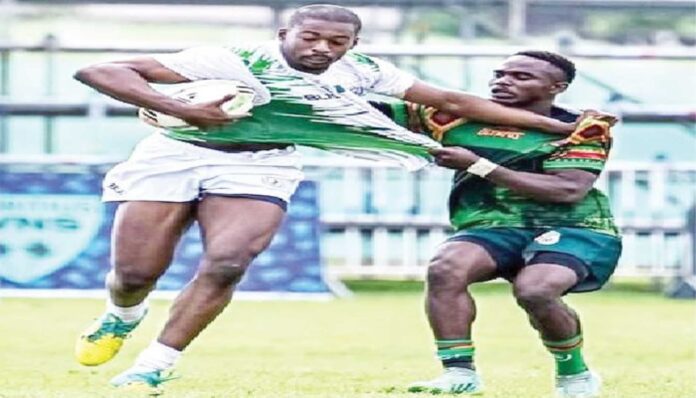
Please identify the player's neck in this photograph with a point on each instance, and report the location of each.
(302, 69)
(541, 107)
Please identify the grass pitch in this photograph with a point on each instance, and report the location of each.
(371, 345)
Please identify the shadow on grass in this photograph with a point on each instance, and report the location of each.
(634, 286)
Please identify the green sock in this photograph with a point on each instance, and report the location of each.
(568, 355)
(456, 352)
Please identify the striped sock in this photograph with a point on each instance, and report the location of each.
(568, 355)
(456, 353)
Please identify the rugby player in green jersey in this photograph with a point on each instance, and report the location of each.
(523, 208)
(237, 193)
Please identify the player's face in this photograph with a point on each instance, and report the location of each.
(313, 45)
(521, 81)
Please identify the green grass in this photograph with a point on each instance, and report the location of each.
(371, 345)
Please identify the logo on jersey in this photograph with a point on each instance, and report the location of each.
(548, 238)
(511, 135)
(273, 182)
(321, 97)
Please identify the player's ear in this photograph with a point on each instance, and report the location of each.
(559, 87)
(282, 33)
(355, 42)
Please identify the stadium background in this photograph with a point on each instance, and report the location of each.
(636, 58)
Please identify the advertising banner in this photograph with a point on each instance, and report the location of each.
(55, 234)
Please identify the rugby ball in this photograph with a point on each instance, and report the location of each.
(198, 92)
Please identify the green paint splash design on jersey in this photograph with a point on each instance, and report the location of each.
(306, 112)
(363, 59)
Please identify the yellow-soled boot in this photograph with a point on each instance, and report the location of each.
(103, 339)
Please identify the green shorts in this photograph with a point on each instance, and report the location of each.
(514, 248)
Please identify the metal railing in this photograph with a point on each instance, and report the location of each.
(383, 233)
(52, 46)
(384, 222)
(395, 237)
(101, 106)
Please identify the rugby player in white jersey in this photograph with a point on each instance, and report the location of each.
(166, 184)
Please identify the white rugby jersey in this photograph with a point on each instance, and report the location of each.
(354, 71)
(324, 110)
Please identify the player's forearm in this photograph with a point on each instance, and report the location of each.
(547, 188)
(129, 86)
(476, 108)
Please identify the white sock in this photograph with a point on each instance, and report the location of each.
(156, 356)
(127, 314)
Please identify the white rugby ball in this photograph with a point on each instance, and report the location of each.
(203, 91)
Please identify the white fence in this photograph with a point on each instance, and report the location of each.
(381, 222)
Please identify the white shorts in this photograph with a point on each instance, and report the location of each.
(166, 170)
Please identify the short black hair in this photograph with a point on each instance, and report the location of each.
(326, 12)
(557, 60)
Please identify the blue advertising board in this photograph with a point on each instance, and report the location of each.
(55, 231)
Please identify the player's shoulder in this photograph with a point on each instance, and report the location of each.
(363, 62)
(213, 53)
(246, 51)
(258, 57)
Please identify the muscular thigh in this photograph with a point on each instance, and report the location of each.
(503, 245)
(233, 226)
(464, 261)
(145, 234)
(592, 255)
(551, 279)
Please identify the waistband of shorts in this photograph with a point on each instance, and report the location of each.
(233, 148)
(206, 147)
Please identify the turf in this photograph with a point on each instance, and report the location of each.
(370, 345)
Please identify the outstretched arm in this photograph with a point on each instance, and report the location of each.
(128, 81)
(476, 108)
(556, 186)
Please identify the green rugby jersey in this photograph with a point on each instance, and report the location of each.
(478, 203)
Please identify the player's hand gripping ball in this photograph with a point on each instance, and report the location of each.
(202, 91)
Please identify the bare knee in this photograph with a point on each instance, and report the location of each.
(447, 272)
(541, 286)
(534, 296)
(132, 278)
(225, 269)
